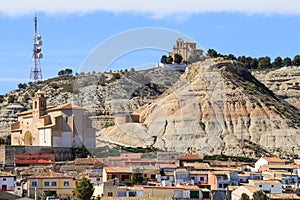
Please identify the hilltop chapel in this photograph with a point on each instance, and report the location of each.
(60, 126)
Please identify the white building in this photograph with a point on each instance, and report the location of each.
(268, 186)
(7, 181)
(268, 161)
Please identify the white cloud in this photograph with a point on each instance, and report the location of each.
(154, 8)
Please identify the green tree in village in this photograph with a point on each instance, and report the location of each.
(260, 195)
(245, 197)
(177, 58)
(81, 152)
(84, 189)
(137, 177)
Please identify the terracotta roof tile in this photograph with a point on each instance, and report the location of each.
(170, 166)
(274, 159)
(190, 157)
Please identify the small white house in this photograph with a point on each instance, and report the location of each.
(7, 181)
(268, 161)
(268, 186)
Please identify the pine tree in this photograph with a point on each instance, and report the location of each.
(84, 189)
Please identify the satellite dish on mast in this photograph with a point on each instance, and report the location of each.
(39, 42)
(38, 37)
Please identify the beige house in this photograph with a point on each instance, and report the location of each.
(58, 184)
(60, 126)
(247, 189)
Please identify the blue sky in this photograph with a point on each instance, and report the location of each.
(71, 33)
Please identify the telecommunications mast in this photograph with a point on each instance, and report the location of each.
(36, 72)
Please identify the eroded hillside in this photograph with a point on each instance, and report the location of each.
(216, 107)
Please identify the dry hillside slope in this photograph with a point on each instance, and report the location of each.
(216, 107)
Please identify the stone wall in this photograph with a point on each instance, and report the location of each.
(8, 153)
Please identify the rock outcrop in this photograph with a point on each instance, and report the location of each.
(284, 82)
(102, 94)
(216, 107)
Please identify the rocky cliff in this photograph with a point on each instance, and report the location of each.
(216, 107)
(102, 94)
(284, 82)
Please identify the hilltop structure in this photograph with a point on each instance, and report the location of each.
(61, 126)
(185, 49)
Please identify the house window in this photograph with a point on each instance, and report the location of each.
(124, 177)
(67, 119)
(34, 184)
(46, 183)
(220, 185)
(42, 104)
(272, 185)
(66, 183)
(4, 179)
(145, 175)
(260, 186)
(152, 176)
(110, 194)
(53, 183)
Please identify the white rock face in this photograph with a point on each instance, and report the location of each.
(284, 82)
(216, 107)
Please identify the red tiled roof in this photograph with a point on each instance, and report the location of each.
(190, 157)
(170, 166)
(274, 159)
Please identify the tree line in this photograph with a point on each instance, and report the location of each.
(65, 72)
(258, 63)
(170, 60)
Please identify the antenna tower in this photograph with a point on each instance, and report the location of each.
(36, 72)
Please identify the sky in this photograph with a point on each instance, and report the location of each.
(106, 35)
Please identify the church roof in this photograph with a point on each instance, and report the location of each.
(68, 106)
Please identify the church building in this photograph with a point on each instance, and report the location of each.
(60, 126)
